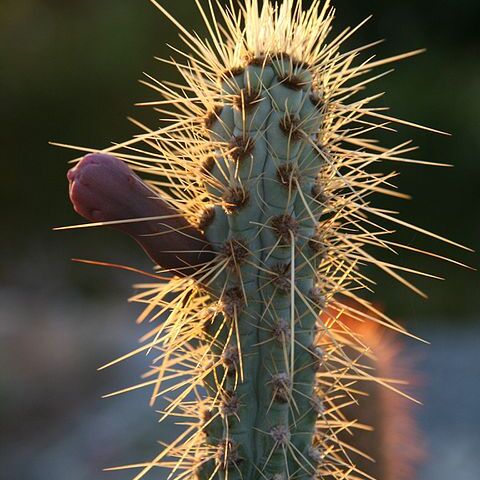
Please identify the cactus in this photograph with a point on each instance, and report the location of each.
(394, 440)
(264, 221)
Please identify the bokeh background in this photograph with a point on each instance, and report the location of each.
(68, 73)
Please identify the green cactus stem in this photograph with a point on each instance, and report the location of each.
(270, 121)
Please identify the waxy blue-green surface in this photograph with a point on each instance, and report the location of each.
(268, 110)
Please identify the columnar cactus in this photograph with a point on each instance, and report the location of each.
(266, 156)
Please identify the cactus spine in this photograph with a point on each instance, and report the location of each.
(267, 152)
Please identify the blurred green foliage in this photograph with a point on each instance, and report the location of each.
(67, 74)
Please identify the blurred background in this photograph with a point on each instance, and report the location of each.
(68, 73)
